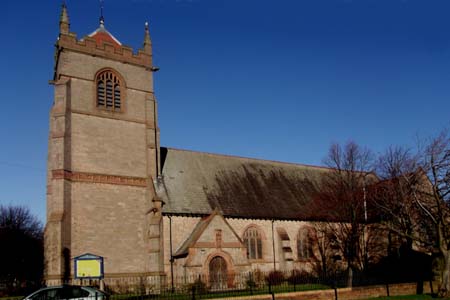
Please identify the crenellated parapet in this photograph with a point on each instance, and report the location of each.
(101, 43)
(105, 49)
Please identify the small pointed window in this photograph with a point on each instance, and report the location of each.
(305, 242)
(109, 91)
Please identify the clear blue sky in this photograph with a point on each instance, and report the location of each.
(278, 80)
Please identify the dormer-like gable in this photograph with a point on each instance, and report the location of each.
(212, 231)
(101, 36)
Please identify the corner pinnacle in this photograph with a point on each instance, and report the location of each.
(147, 40)
(64, 23)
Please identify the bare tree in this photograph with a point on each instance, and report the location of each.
(433, 199)
(326, 249)
(415, 198)
(400, 171)
(342, 201)
(397, 168)
(21, 253)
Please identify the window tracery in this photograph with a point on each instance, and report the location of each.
(109, 91)
(253, 242)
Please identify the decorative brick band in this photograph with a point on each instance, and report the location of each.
(99, 178)
(53, 277)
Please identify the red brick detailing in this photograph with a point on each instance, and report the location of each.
(49, 189)
(102, 37)
(98, 178)
(58, 135)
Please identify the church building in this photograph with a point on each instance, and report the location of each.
(153, 211)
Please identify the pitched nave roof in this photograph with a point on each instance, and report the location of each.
(197, 183)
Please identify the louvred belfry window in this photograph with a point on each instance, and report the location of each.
(109, 94)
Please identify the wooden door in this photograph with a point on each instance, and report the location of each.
(218, 273)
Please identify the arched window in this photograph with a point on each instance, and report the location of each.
(305, 241)
(253, 242)
(109, 88)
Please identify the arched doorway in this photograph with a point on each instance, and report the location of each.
(218, 273)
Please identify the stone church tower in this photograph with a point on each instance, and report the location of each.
(103, 157)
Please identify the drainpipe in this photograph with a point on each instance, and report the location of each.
(171, 253)
(273, 246)
(365, 225)
(365, 203)
(158, 163)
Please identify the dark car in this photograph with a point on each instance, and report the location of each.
(72, 292)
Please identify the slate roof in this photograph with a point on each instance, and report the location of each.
(197, 183)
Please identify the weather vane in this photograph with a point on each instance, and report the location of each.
(102, 19)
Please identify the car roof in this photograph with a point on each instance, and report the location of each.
(88, 288)
(92, 288)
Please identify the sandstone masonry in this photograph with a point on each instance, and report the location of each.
(102, 163)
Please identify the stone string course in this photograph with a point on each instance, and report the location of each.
(99, 178)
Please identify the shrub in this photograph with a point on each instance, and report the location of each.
(250, 283)
(301, 277)
(275, 278)
(258, 277)
(199, 286)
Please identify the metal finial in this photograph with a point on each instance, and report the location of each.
(102, 19)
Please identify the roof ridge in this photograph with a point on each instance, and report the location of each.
(251, 158)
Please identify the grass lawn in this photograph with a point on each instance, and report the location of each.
(409, 297)
(230, 294)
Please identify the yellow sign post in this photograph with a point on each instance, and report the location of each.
(88, 266)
